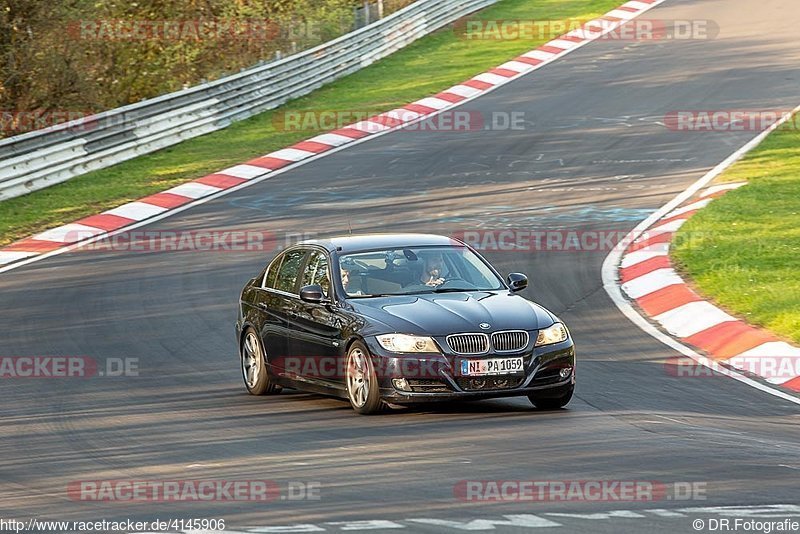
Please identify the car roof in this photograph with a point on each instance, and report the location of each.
(355, 243)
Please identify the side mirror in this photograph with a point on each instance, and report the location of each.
(517, 281)
(312, 294)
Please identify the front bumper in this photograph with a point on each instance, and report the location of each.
(437, 377)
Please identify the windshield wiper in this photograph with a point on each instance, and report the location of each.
(455, 289)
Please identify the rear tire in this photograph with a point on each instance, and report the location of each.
(363, 389)
(554, 403)
(254, 366)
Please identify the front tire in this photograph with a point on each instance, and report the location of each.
(363, 389)
(254, 366)
(552, 403)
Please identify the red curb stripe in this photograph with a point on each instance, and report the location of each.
(728, 339)
(106, 221)
(419, 108)
(551, 49)
(666, 299)
(635, 271)
(793, 384)
(529, 60)
(166, 200)
(223, 181)
(450, 97)
(477, 84)
(268, 162)
(609, 18)
(33, 245)
(628, 9)
(666, 237)
(312, 146)
(507, 73)
(573, 38)
(352, 133)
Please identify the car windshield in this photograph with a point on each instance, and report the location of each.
(414, 270)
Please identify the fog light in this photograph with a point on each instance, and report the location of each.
(401, 384)
(565, 372)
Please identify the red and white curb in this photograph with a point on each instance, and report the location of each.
(647, 276)
(639, 270)
(161, 205)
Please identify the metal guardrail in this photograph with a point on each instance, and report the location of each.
(42, 158)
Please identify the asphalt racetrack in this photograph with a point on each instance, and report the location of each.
(593, 156)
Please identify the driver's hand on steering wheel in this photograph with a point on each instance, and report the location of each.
(433, 282)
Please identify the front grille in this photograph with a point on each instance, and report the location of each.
(510, 341)
(469, 343)
(488, 383)
(425, 385)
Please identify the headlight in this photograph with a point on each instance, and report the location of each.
(407, 343)
(554, 334)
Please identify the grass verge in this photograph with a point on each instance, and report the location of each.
(747, 257)
(424, 68)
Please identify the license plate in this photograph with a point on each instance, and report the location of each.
(495, 366)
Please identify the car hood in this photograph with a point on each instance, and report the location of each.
(446, 313)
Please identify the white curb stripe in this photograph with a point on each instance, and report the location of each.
(650, 282)
(563, 43)
(290, 154)
(671, 226)
(488, 77)
(402, 114)
(332, 139)
(433, 102)
(69, 233)
(136, 210)
(620, 14)
(777, 361)
(644, 254)
(516, 66)
(691, 318)
(635, 4)
(243, 171)
(369, 126)
(689, 207)
(539, 54)
(464, 90)
(193, 190)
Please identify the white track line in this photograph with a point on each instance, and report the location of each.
(611, 285)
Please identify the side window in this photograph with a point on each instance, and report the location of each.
(289, 269)
(272, 275)
(316, 271)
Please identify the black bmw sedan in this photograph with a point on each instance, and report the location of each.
(399, 319)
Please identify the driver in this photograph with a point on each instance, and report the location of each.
(433, 270)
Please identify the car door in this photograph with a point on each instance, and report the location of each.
(317, 339)
(278, 302)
